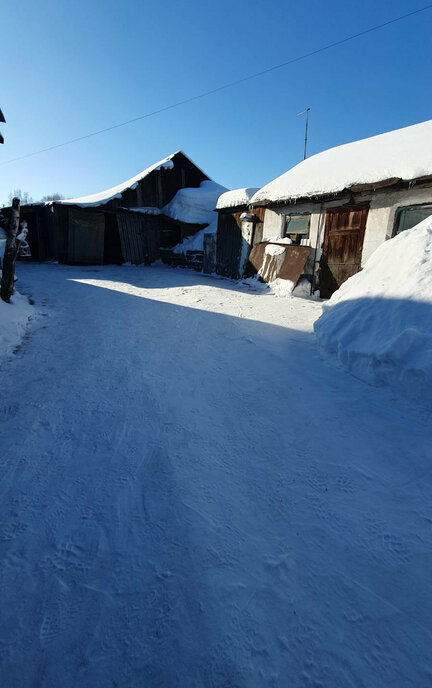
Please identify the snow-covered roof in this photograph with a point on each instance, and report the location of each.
(404, 154)
(116, 191)
(237, 197)
(195, 204)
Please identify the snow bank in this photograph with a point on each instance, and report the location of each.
(195, 205)
(196, 241)
(235, 198)
(403, 153)
(282, 288)
(14, 317)
(303, 289)
(379, 323)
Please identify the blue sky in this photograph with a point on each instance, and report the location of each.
(70, 69)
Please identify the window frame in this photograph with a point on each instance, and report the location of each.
(299, 235)
(399, 212)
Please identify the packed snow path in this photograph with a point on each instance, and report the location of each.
(191, 496)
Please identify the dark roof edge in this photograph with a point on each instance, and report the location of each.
(355, 188)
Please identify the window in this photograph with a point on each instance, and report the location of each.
(297, 227)
(410, 216)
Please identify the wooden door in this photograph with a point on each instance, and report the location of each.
(342, 248)
(86, 236)
(228, 245)
(133, 238)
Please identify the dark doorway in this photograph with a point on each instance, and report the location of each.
(112, 246)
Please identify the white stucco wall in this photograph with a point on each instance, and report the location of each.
(272, 226)
(379, 225)
(382, 211)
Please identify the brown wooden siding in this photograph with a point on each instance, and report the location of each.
(61, 232)
(139, 238)
(342, 248)
(160, 186)
(228, 245)
(66, 233)
(86, 236)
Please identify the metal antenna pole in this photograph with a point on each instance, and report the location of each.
(306, 129)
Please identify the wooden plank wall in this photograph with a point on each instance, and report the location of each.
(132, 239)
(86, 236)
(61, 233)
(160, 186)
(209, 265)
(228, 245)
(139, 238)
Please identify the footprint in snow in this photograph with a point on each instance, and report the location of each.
(10, 531)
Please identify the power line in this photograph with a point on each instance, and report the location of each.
(225, 86)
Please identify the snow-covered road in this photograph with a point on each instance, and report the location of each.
(192, 496)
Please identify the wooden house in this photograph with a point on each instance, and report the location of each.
(126, 223)
(344, 202)
(241, 249)
(236, 232)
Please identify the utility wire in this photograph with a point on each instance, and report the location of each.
(225, 86)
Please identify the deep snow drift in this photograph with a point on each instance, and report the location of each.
(195, 205)
(379, 323)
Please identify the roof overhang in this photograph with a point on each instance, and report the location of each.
(392, 182)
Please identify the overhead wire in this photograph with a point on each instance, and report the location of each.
(225, 86)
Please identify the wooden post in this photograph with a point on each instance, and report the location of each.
(10, 254)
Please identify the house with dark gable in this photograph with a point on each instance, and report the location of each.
(126, 223)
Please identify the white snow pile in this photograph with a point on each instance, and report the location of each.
(282, 288)
(195, 205)
(303, 290)
(235, 198)
(274, 250)
(14, 317)
(404, 153)
(279, 240)
(379, 323)
(196, 241)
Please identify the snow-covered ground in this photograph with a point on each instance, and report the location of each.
(192, 496)
(14, 318)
